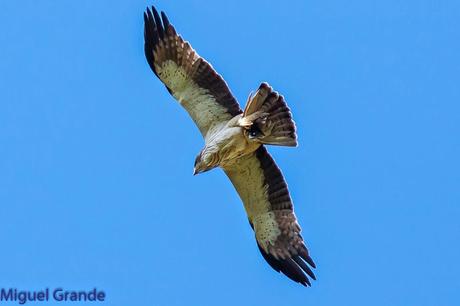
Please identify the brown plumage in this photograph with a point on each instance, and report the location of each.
(268, 118)
(234, 141)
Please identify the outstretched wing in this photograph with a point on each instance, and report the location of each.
(186, 75)
(263, 190)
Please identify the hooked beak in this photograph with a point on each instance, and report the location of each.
(198, 171)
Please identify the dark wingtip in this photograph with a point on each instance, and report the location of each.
(270, 259)
(159, 25)
(165, 20)
(308, 259)
(294, 267)
(264, 85)
(153, 33)
(304, 266)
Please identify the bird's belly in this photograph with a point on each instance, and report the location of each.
(235, 146)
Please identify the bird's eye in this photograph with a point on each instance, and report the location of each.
(253, 133)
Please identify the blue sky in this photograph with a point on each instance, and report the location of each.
(96, 158)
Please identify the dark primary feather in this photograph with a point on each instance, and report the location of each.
(304, 266)
(293, 267)
(151, 38)
(165, 20)
(159, 25)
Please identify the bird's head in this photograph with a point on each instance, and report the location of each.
(204, 161)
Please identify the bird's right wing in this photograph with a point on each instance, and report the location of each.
(187, 76)
(263, 190)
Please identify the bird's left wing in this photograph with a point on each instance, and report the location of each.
(263, 190)
(187, 76)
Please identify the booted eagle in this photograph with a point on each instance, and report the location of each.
(235, 141)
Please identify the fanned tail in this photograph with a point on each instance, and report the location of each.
(268, 119)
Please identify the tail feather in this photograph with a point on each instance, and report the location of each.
(268, 119)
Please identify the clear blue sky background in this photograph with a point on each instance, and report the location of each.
(96, 185)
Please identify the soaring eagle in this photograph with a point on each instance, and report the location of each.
(235, 141)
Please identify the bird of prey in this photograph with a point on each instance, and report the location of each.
(235, 141)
